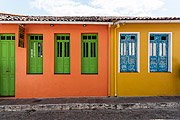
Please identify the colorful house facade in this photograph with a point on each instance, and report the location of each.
(145, 57)
(48, 56)
(60, 56)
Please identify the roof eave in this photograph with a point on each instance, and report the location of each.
(54, 22)
(147, 21)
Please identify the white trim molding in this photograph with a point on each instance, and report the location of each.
(169, 49)
(138, 50)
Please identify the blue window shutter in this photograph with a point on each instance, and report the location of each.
(128, 53)
(163, 57)
(159, 53)
(154, 52)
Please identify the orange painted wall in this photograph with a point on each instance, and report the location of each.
(49, 84)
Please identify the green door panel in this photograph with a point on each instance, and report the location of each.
(59, 59)
(85, 56)
(12, 68)
(7, 65)
(62, 53)
(36, 54)
(93, 66)
(66, 65)
(4, 68)
(66, 58)
(89, 54)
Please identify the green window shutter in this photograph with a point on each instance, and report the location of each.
(62, 53)
(89, 54)
(35, 54)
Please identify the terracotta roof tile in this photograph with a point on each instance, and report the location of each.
(11, 17)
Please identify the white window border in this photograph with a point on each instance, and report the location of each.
(138, 50)
(169, 50)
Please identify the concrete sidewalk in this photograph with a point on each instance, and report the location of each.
(90, 103)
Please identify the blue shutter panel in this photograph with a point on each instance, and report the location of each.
(163, 53)
(158, 53)
(153, 54)
(124, 58)
(128, 53)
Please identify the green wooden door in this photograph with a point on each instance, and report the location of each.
(89, 54)
(7, 65)
(62, 53)
(36, 54)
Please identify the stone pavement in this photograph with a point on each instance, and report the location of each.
(90, 103)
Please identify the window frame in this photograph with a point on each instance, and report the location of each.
(29, 42)
(97, 55)
(55, 52)
(138, 51)
(169, 51)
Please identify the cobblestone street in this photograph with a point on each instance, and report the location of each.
(93, 114)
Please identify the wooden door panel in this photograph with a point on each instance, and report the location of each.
(7, 65)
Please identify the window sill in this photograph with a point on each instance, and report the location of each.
(129, 72)
(89, 73)
(159, 72)
(35, 73)
(7, 96)
(62, 73)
